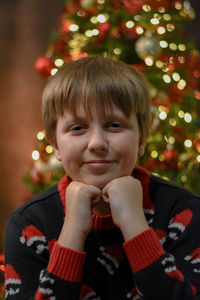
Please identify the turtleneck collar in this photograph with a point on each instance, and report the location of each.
(106, 222)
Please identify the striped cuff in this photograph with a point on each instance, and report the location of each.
(66, 263)
(143, 250)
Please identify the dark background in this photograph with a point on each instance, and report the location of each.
(25, 28)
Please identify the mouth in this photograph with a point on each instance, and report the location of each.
(98, 161)
(98, 164)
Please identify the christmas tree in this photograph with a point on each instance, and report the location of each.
(149, 35)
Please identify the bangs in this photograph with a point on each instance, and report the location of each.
(97, 96)
(99, 90)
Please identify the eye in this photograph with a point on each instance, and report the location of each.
(115, 126)
(78, 129)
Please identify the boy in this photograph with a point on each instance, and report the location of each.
(107, 230)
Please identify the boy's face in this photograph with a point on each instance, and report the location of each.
(99, 149)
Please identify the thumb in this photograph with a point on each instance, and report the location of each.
(105, 196)
(95, 199)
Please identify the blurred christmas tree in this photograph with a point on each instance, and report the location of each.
(150, 35)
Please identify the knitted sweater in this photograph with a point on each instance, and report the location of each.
(161, 263)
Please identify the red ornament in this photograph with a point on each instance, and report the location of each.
(196, 74)
(115, 4)
(159, 101)
(72, 7)
(103, 30)
(129, 33)
(197, 94)
(59, 47)
(170, 155)
(155, 4)
(140, 67)
(65, 25)
(150, 164)
(44, 65)
(131, 6)
(174, 95)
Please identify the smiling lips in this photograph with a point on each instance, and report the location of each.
(98, 164)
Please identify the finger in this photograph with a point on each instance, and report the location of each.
(105, 197)
(95, 199)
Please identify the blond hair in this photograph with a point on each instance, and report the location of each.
(95, 82)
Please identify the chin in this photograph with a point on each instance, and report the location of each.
(99, 183)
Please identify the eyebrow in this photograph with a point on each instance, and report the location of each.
(74, 119)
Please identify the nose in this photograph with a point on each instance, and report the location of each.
(98, 142)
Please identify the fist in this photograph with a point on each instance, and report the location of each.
(80, 199)
(125, 196)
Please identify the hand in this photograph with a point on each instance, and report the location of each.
(125, 196)
(80, 199)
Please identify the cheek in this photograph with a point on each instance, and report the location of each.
(126, 145)
(70, 158)
(130, 159)
(127, 150)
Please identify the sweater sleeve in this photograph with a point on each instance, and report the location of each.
(34, 272)
(166, 265)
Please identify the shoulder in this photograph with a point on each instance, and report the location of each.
(35, 225)
(173, 203)
(41, 207)
(47, 196)
(165, 190)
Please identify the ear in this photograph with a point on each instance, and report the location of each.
(57, 154)
(141, 148)
(56, 151)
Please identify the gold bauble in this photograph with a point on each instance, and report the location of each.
(147, 46)
(86, 3)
